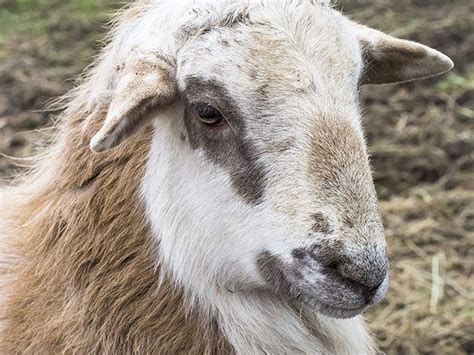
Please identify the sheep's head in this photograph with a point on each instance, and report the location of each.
(258, 179)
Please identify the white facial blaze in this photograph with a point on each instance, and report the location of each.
(199, 217)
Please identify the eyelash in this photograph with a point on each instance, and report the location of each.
(209, 115)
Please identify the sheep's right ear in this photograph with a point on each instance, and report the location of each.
(146, 83)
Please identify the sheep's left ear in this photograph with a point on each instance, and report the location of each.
(392, 60)
(145, 83)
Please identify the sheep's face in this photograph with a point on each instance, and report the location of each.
(270, 165)
(258, 178)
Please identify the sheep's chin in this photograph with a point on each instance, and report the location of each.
(334, 312)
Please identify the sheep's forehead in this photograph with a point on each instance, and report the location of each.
(274, 47)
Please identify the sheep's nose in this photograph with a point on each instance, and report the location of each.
(368, 280)
(369, 275)
(365, 272)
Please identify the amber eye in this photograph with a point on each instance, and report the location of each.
(209, 115)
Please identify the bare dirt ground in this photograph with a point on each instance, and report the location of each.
(420, 136)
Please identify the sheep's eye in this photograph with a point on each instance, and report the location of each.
(209, 115)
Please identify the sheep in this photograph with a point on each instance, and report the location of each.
(208, 189)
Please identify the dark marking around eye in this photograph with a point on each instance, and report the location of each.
(230, 149)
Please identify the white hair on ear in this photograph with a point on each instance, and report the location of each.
(146, 83)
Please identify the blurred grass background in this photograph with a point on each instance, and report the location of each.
(420, 137)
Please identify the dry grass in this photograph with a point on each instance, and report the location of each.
(420, 136)
(429, 305)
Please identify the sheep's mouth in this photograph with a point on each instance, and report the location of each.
(322, 302)
(334, 297)
(322, 292)
(333, 311)
(336, 312)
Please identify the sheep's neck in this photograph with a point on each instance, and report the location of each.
(86, 280)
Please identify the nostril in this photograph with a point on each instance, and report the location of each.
(368, 276)
(369, 292)
(364, 280)
(364, 275)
